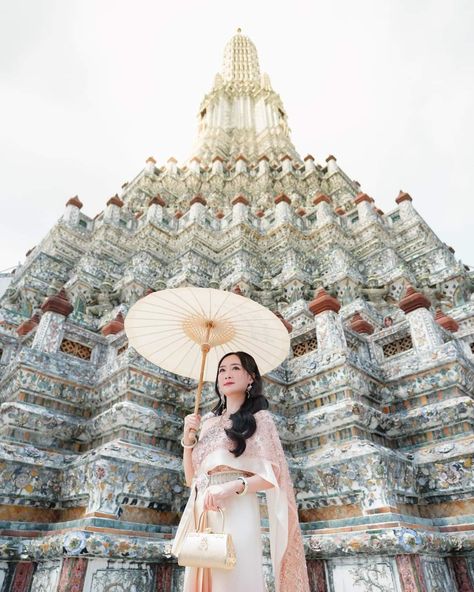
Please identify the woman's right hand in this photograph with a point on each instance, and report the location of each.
(191, 426)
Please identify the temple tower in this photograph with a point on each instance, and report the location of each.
(374, 403)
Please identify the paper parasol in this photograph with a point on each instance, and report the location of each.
(187, 330)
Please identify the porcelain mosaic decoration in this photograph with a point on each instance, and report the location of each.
(374, 403)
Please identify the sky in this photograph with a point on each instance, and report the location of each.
(90, 89)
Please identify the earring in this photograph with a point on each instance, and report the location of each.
(249, 387)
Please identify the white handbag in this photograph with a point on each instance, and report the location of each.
(205, 548)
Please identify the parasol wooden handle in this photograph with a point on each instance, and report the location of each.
(205, 347)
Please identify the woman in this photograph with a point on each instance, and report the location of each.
(239, 453)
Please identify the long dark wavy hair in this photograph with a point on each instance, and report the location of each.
(243, 420)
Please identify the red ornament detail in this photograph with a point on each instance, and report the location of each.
(282, 197)
(59, 304)
(28, 325)
(403, 196)
(308, 157)
(74, 201)
(362, 197)
(115, 201)
(240, 199)
(260, 213)
(158, 200)
(198, 199)
(113, 327)
(413, 300)
(446, 321)
(320, 198)
(340, 211)
(288, 325)
(360, 325)
(330, 157)
(322, 302)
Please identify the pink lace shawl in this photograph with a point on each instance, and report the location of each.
(263, 456)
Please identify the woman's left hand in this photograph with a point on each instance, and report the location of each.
(215, 495)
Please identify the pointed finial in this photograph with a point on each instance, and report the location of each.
(239, 30)
(240, 60)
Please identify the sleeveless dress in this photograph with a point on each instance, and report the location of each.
(263, 456)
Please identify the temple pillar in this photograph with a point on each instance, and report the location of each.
(324, 210)
(195, 165)
(329, 328)
(109, 331)
(263, 165)
(240, 164)
(309, 165)
(240, 208)
(112, 211)
(73, 573)
(49, 333)
(410, 573)
(198, 208)
(365, 208)
(286, 166)
(172, 166)
(405, 206)
(163, 577)
(150, 166)
(317, 575)
(22, 577)
(282, 209)
(73, 210)
(155, 209)
(462, 576)
(332, 164)
(217, 165)
(425, 332)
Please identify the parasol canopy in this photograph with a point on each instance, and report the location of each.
(187, 330)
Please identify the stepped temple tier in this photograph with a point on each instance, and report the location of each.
(374, 404)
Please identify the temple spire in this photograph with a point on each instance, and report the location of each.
(240, 60)
(242, 115)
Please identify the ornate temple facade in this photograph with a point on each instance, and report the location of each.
(374, 403)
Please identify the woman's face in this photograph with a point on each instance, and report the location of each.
(232, 378)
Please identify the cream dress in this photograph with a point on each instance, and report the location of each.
(263, 456)
(242, 521)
